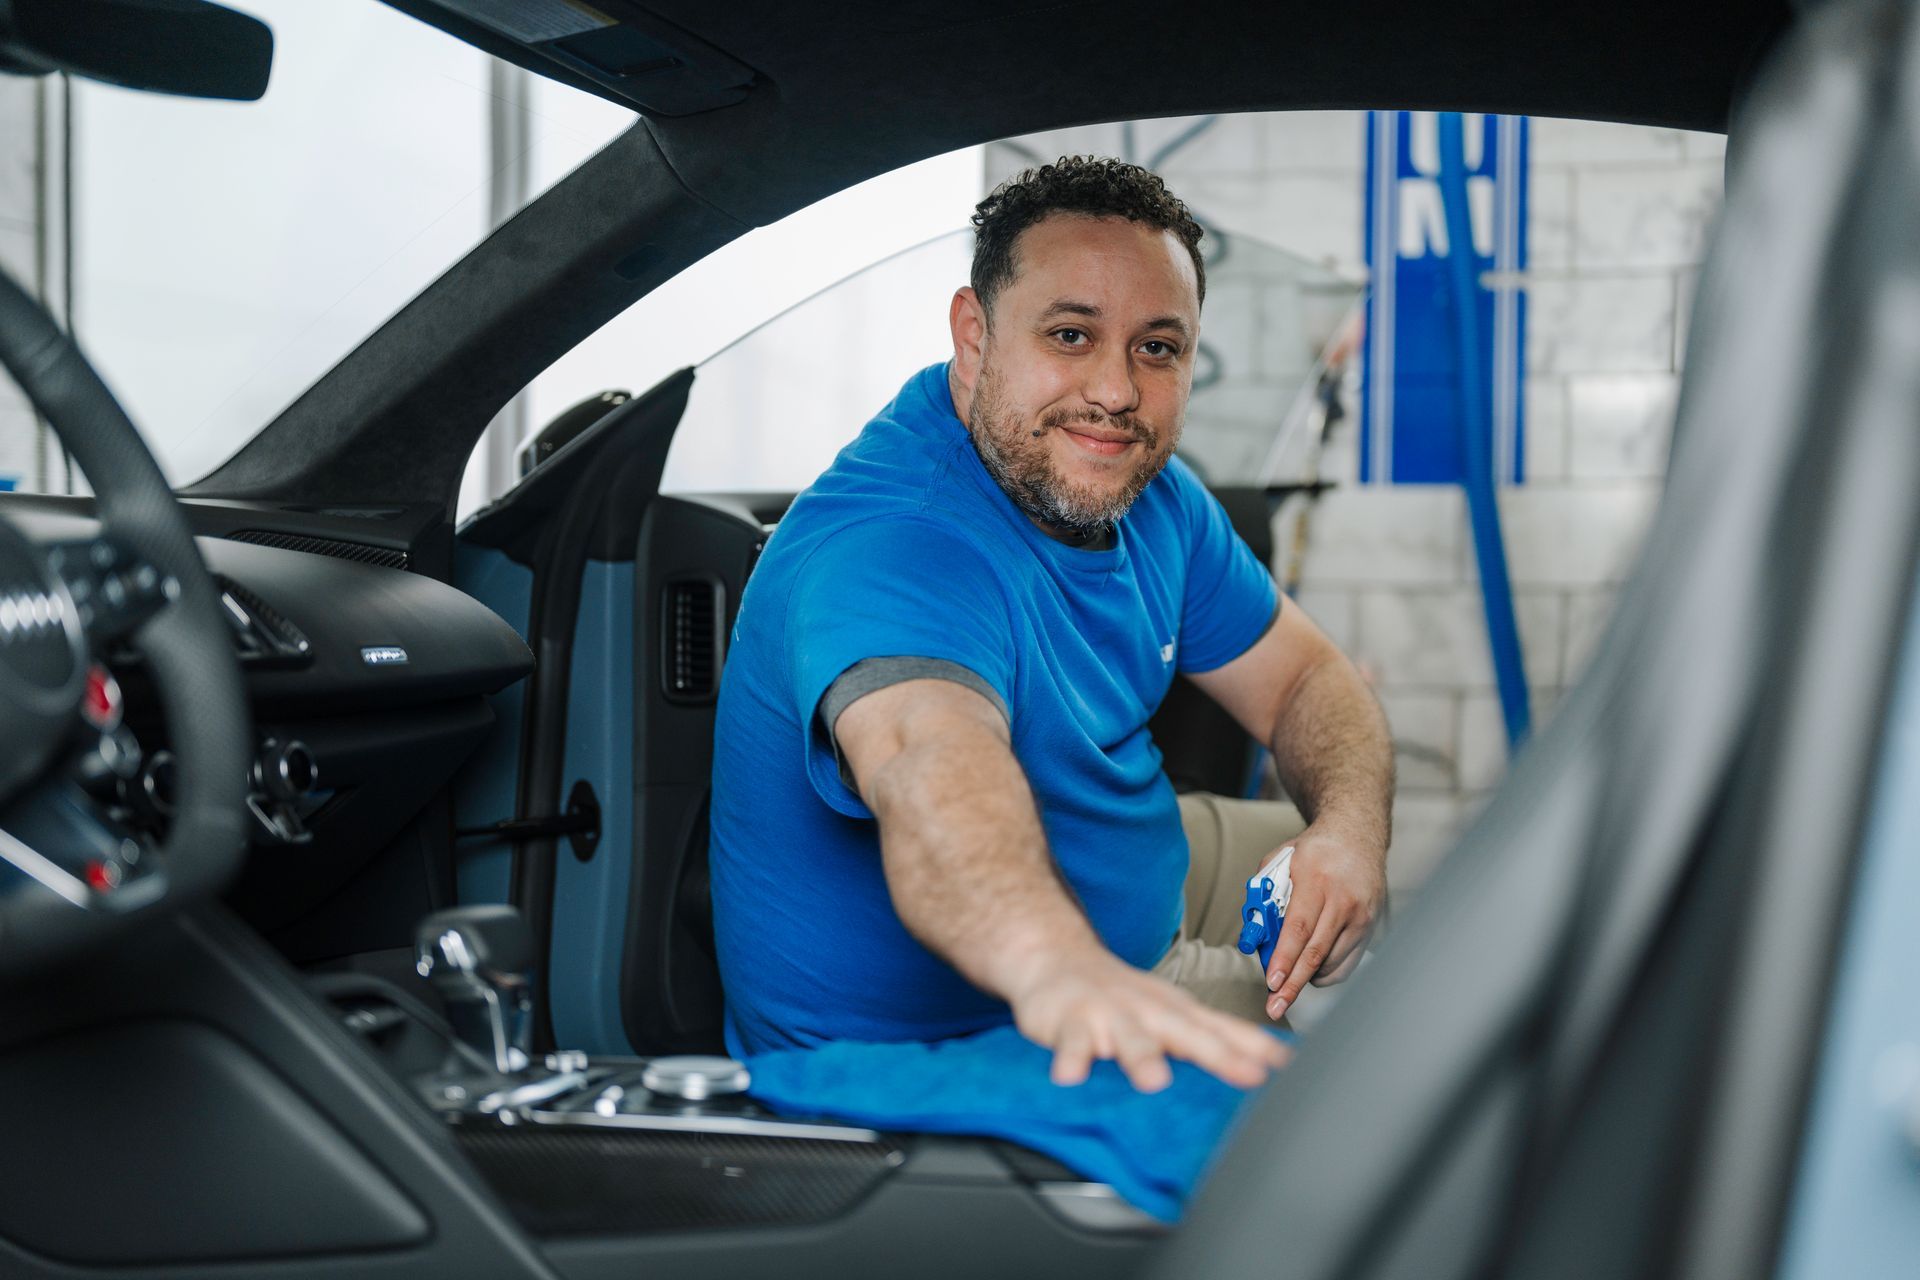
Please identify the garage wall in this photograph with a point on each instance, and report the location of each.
(1617, 214)
(28, 255)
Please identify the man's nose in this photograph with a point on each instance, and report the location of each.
(1110, 383)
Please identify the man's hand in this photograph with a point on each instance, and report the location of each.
(1092, 1005)
(1296, 692)
(1339, 890)
(967, 864)
(968, 867)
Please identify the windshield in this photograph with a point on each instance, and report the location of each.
(225, 255)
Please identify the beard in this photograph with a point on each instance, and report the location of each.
(1020, 461)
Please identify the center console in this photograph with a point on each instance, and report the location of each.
(609, 1160)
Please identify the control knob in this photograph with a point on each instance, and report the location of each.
(695, 1077)
(284, 769)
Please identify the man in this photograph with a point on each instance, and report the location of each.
(937, 806)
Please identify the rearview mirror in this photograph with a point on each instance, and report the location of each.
(188, 47)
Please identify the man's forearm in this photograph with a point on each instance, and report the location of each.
(967, 861)
(1334, 752)
(971, 876)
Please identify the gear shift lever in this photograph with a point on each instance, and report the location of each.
(480, 960)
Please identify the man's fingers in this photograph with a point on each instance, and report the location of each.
(1312, 956)
(1073, 1056)
(1149, 1021)
(1336, 973)
(1216, 1044)
(1302, 914)
(1141, 1058)
(1346, 953)
(1252, 1052)
(1225, 1046)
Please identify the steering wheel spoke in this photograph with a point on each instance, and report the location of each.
(43, 661)
(68, 819)
(114, 589)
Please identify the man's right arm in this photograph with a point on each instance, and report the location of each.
(967, 865)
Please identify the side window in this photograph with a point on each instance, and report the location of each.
(1275, 334)
(214, 258)
(768, 412)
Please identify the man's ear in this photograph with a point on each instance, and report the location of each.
(967, 317)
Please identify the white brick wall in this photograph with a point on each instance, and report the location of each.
(20, 254)
(19, 201)
(1425, 825)
(1617, 217)
(1620, 425)
(1570, 535)
(1436, 637)
(1640, 218)
(1316, 215)
(1336, 610)
(1590, 146)
(1426, 727)
(1547, 427)
(1550, 219)
(1483, 736)
(1375, 537)
(1600, 324)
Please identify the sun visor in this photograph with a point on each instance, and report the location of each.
(610, 47)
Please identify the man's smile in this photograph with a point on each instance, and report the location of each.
(1103, 443)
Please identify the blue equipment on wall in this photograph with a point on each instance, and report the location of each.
(1410, 424)
(1443, 371)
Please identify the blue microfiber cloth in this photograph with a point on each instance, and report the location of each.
(1152, 1148)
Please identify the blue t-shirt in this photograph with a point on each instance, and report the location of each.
(906, 547)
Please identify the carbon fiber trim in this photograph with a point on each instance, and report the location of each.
(358, 552)
(592, 1181)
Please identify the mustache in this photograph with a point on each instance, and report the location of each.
(1054, 419)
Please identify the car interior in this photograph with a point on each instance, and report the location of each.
(354, 909)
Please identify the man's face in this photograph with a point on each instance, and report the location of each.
(1077, 388)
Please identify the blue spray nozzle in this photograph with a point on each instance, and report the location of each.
(1263, 919)
(1265, 911)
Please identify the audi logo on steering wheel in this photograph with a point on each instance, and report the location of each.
(24, 615)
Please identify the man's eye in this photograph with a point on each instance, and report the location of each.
(1158, 349)
(1072, 337)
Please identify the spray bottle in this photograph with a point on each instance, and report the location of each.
(1268, 892)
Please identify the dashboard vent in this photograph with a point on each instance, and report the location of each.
(693, 615)
(358, 552)
(262, 635)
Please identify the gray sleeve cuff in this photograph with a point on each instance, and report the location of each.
(870, 675)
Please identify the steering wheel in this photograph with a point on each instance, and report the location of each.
(70, 878)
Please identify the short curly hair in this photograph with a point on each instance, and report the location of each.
(1092, 186)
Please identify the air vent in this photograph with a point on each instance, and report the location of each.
(358, 552)
(262, 635)
(693, 615)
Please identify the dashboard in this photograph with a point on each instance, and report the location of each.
(368, 686)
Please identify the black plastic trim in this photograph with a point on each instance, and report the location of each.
(358, 552)
(454, 645)
(198, 1098)
(208, 969)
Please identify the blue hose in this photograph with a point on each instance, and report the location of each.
(1476, 433)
